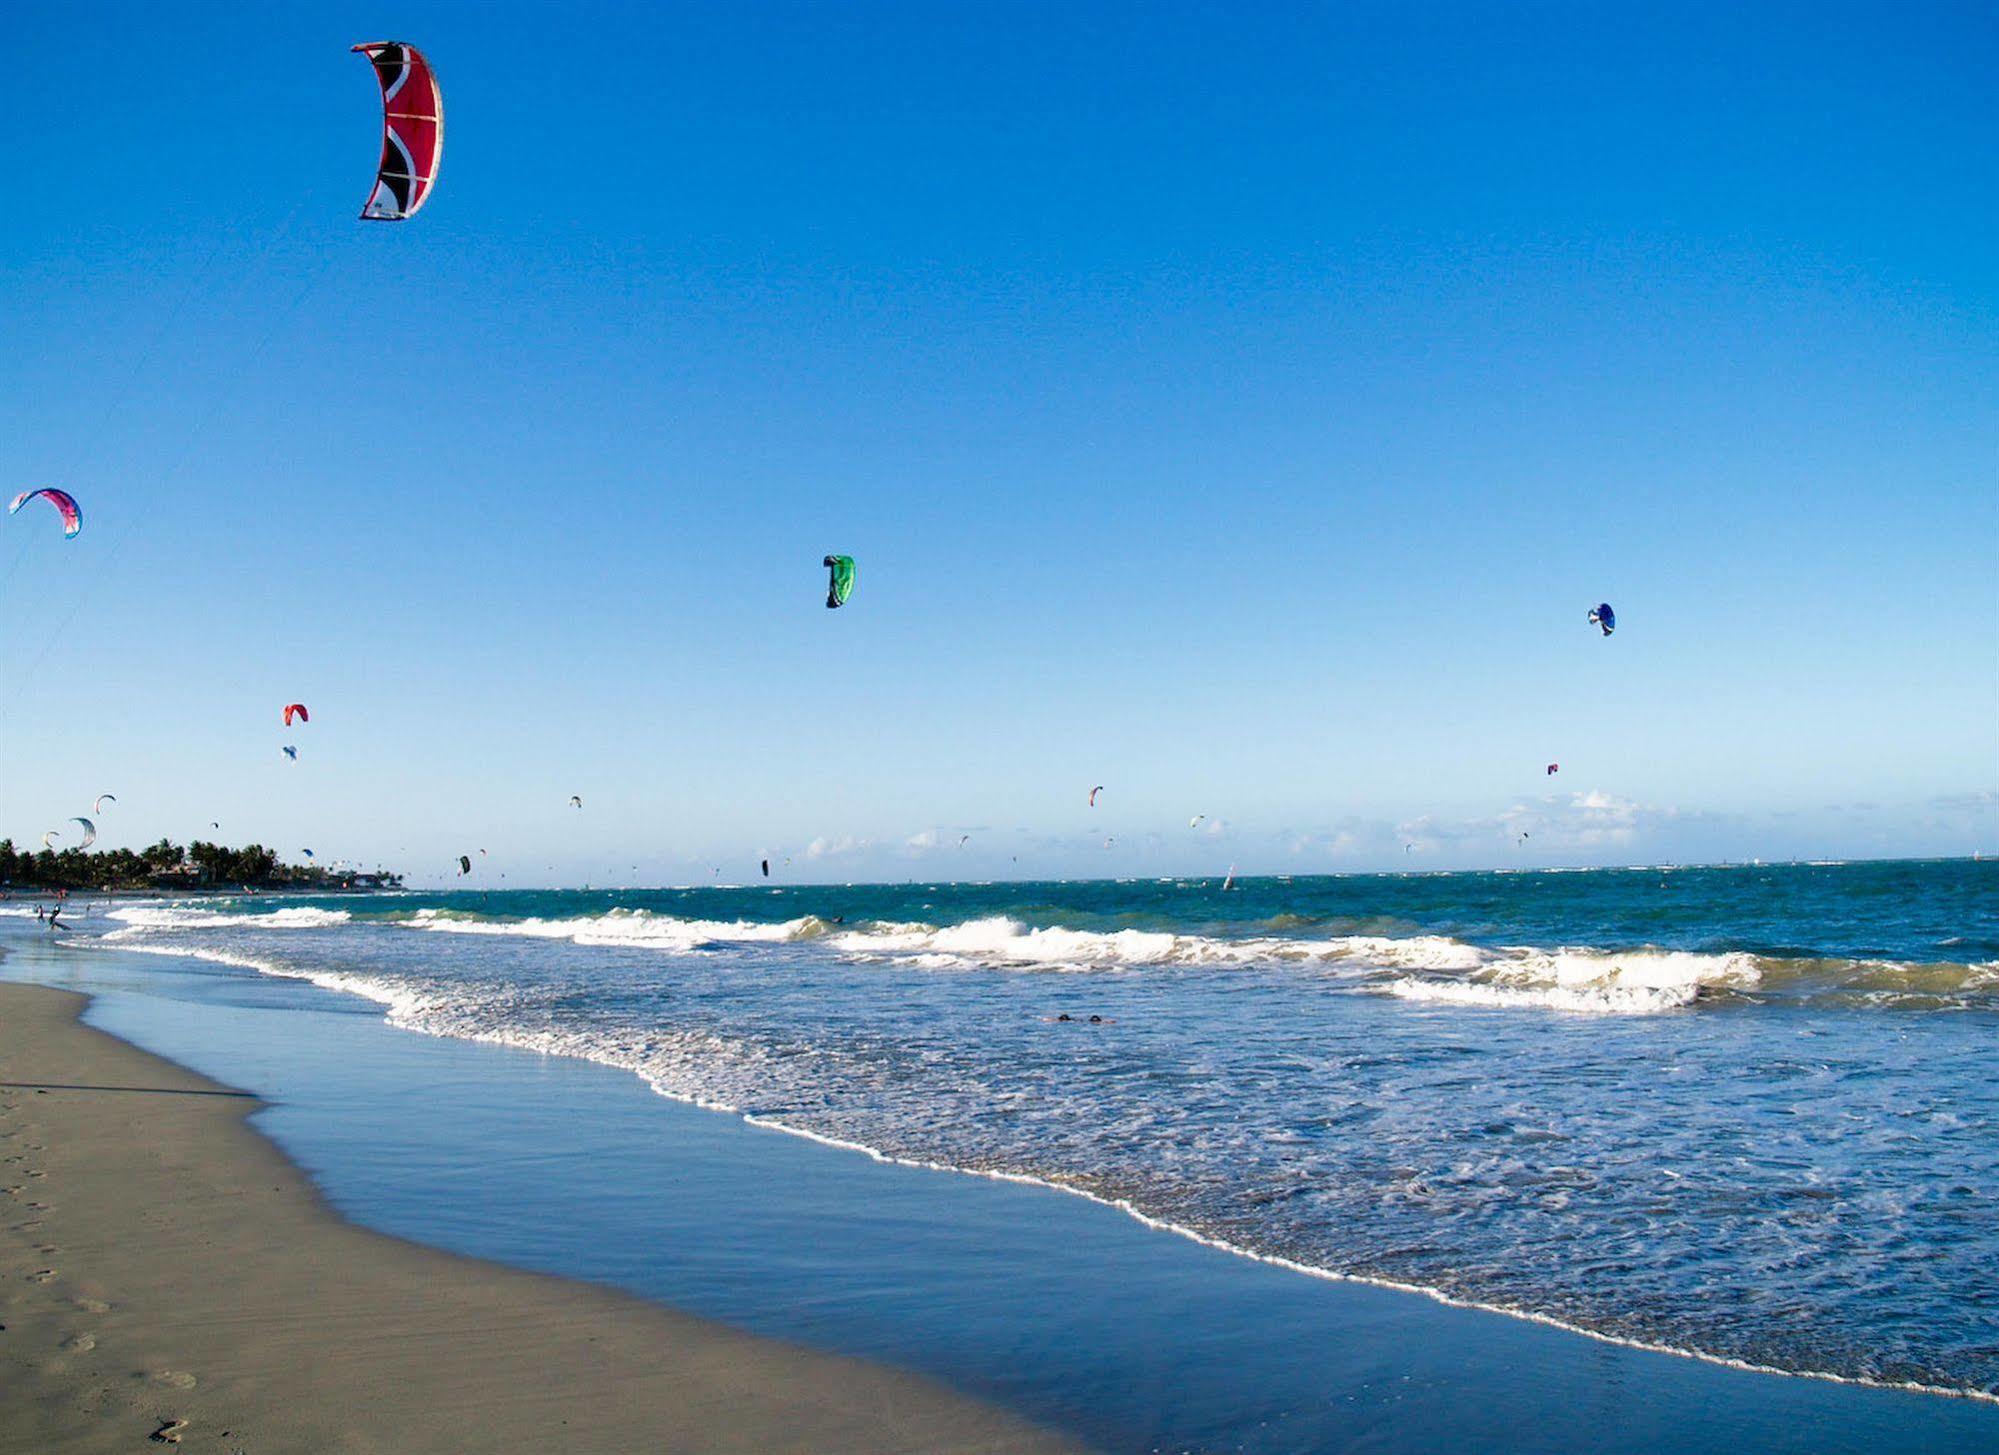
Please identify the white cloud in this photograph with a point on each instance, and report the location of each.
(1600, 803)
(841, 847)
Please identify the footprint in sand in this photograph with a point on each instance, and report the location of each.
(93, 1305)
(80, 1343)
(43, 1275)
(169, 1432)
(38, 1174)
(174, 1379)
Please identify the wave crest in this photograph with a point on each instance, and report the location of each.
(1433, 969)
(195, 917)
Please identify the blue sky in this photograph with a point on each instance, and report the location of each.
(1237, 410)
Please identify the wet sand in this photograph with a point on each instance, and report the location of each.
(161, 1262)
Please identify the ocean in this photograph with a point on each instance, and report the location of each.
(1747, 1113)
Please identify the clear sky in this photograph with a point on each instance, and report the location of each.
(1239, 407)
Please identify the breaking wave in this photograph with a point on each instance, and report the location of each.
(621, 927)
(1435, 970)
(195, 917)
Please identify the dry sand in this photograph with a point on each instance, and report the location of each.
(160, 1261)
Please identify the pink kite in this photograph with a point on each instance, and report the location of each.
(62, 500)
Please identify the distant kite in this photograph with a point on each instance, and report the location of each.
(412, 131)
(62, 500)
(574, 801)
(1093, 794)
(291, 752)
(297, 710)
(1604, 617)
(102, 799)
(839, 580)
(1553, 769)
(464, 865)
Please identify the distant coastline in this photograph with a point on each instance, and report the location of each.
(170, 868)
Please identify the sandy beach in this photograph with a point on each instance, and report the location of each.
(167, 1270)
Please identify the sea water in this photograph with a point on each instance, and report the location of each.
(1743, 1112)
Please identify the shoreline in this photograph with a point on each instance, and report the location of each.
(1035, 1303)
(167, 1262)
(1126, 1208)
(393, 1016)
(1333, 1275)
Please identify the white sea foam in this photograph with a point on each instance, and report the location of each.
(1632, 982)
(193, 917)
(1000, 941)
(623, 927)
(1434, 969)
(996, 941)
(1600, 1000)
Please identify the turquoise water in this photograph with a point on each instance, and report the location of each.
(1743, 1112)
